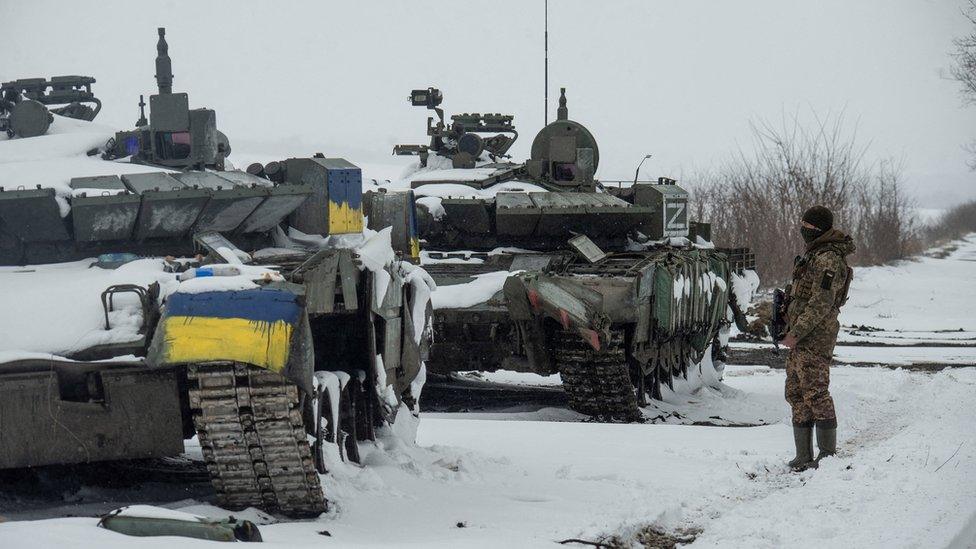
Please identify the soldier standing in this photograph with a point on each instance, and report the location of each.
(821, 279)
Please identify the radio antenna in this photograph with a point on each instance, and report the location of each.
(546, 35)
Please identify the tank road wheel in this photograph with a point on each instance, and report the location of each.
(323, 422)
(249, 423)
(598, 383)
(366, 410)
(338, 429)
(349, 419)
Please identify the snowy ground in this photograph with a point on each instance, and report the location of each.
(917, 312)
(532, 477)
(906, 449)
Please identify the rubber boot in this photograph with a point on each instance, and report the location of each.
(826, 438)
(803, 438)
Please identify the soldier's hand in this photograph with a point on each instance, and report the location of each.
(789, 341)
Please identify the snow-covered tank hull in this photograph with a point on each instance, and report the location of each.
(62, 412)
(344, 352)
(322, 355)
(330, 345)
(635, 321)
(155, 213)
(641, 318)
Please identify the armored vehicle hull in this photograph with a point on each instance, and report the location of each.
(153, 213)
(318, 348)
(57, 412)
(616, 330)
(252, 373)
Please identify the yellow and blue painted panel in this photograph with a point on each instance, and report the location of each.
(345, 189)
(249, 326)
(414, 234)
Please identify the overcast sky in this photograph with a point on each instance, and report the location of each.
(679, 79)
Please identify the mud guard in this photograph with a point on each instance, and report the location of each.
(573, 306)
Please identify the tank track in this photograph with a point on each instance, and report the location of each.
(597, 383)
(250, 427)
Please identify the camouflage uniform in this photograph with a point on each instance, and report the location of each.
(821, 278)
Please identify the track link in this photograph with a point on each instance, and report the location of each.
(250, 427)
(597, 383)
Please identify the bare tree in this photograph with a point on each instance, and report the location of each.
(758, 198)
(964, 69)
(887, 227)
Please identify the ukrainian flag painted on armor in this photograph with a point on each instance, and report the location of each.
(249, 326)
(345, 190)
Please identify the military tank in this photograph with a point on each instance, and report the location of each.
(286, 320)
(182, 191)
(613, 288)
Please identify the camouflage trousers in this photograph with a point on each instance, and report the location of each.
(808, 383)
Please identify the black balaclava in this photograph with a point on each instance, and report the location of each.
(809, 235)
(821, 218)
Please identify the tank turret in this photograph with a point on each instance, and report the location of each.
(564, 154)
(175, 136)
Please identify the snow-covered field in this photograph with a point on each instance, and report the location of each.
(932, 293)
(531, 478)
(915, 312)
(902, 478)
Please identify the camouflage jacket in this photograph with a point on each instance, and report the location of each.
(821, 278)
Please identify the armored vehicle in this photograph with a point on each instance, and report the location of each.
(156, 212)
(615, 289)
(315, 347)
(24, 103)
(321, 354)
(287, 320)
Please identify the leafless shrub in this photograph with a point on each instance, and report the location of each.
(758, 198)
(887, 227)
(956, 222)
